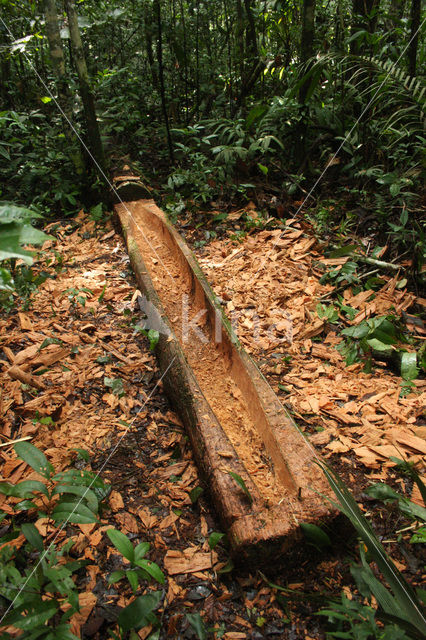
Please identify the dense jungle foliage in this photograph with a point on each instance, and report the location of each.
(292, 104)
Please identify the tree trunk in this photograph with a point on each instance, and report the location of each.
(307, 41)
(239, 38)
(157, 7)
(363, 20)
(148, 43)
(94, 142)
(64, 93)
(414, 37)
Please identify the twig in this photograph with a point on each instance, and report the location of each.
(18, 374)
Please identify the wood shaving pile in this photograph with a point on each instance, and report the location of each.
(270, 286)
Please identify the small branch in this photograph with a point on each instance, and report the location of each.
(18, 374)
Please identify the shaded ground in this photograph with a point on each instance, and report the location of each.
(98, 388)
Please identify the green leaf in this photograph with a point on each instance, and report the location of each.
(315, 535)
(394, 189)
(24, 489)
(377, 345)
(116, 386)
(343, 251)
(197, 623)
(151, 568)
(215, 538)
(411, 509)
(74, 512)
(382, 491)
(383, 330)
(238, 479)
(133, 579)
(409, 370)
(13, 213)
(34, 457)
(256, 114)
(140, 612)
(37, 613)
(81, 491)
(116, 576)
(122, 543)
(419, 536)
(195, 493)
(141, 550)
(32, 535)
(153, 337)
(61, 579)
(408, 602)
(6, 280)
(357, 332)
(83, 454)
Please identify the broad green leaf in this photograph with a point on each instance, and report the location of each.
(10, 243)
(383, 329)
(74, 512)
(13, 213)
(357, 332)
(409, 370)
(197, 623)
(412, 510)
(34, 457)
(116, 576)
(315, 535)
(6, 280)
(35, 614)
(151, 568)
(382, 491)
(32, 535)
(141, 550)
(133, 579)
(24, 489)
(140, 612)
(377, 345)
(343, 251)
(81, 491)
(122, 543)
(238, 479)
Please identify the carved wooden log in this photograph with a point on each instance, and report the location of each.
(235, 421)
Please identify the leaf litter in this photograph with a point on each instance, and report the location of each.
(55, 357)
(271, 285)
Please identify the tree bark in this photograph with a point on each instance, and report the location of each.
(148, 43)
(157, 7)
(414, 37)
(307, 41)
(94, 142)
(362, 19)
(64, 93)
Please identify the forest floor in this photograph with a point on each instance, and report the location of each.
(75, 374)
